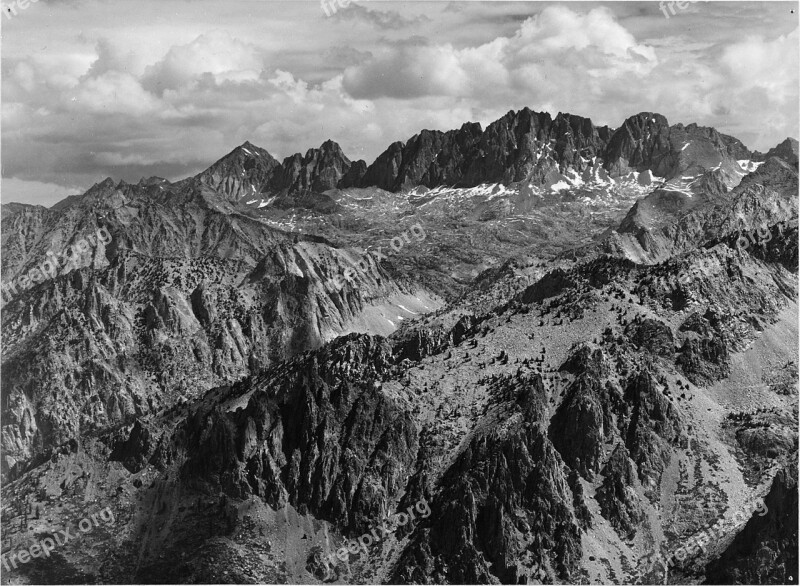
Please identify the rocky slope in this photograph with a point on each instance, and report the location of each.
(787, 150)
(575, 412)
(187, 293)
(765, 552)
(668, 221)
(244, 172)
(561, 436)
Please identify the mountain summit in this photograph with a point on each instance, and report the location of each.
(243, 173)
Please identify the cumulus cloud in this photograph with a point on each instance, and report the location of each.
(215, 54)
(559, 29)
(408, 71)
(759, 63)
(112, 57)
(765, 73)
(558, 46)
(112, 93)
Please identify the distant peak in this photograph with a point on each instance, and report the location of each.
(786, 150)
(248, 149)
(106, 183)
(330, 145)
(653, 117)
(329, 148)
(473, 127)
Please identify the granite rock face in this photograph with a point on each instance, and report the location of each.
(318, 435)
(617, 497)
(517, 146)
(642, 142)
(315, 172)
(505, 509)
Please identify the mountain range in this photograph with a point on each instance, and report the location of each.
(549, 332)
(520, 146)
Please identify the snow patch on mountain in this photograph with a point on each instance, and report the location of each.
(749, 166)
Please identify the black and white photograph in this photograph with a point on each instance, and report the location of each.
(399, 292)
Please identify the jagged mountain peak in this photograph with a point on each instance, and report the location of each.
(643, 119)
(786, 150)
(327, 151)
(333, 147)
(248, 148)
(524, 116)
(640, 144)
(245, 171)
(471, 127)
(107, 183)
(245, 152)
(100, 191)
(319, 170)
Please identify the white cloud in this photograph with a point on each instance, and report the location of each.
(558, 46)
(409, 72)
(112, 93)
(769, 65)
(216, 54)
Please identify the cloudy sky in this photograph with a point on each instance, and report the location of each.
(135, 88)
